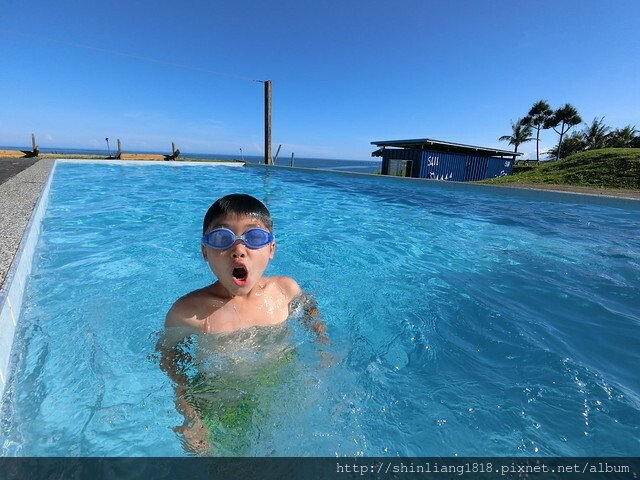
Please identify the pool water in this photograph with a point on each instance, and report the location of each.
(463, 320)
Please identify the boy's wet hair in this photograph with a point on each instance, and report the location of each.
(237, 204)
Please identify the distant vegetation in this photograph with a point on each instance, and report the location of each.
(596, 135)
(605, 168)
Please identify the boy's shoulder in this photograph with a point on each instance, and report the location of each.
(191, 309)
(287, 285)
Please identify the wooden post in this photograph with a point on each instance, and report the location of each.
(175, 152)
(267, 123)
(35, 150)
(292, 159)
(277, 153)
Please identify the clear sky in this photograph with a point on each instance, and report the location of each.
(344, 72)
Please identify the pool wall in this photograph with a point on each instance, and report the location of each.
(536, 191)
(24, 198)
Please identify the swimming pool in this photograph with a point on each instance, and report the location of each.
(464, 320)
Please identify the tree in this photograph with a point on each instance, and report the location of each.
(565, 117)
(624, 137)
(521, 133)
(596, 135)
(572, 144)
(537, 117)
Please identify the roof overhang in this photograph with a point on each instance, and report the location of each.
(440, 146)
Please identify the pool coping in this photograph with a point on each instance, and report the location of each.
(149, 162)
(592, 192)
(26, 197)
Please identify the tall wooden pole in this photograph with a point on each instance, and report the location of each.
(267, 122)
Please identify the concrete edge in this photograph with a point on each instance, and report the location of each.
(150, 162)
(14, 282)
(473, 185)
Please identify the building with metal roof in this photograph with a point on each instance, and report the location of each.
(436, 159)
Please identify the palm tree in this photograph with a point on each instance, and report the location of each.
(521, 133)
(572, 143)
(623, 137)
(537, 117)
(596, 135)
(567, 117)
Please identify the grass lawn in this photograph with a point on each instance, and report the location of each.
(606, 168)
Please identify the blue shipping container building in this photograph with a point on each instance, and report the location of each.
(427, 158)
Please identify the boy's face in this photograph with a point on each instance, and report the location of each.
(238, 267)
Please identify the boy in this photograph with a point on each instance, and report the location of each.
(237, 243)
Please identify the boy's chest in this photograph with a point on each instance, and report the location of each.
(263, 310)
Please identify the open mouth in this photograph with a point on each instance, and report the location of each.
(240, 275)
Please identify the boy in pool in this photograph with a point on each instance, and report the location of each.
(237, 243)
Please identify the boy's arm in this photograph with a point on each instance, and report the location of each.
(171, 355)
(177, 327)
(311, 318)
(192, 428)
(181, 315)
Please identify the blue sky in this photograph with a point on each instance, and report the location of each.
(344, 73)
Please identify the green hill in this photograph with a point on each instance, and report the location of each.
(606, 168)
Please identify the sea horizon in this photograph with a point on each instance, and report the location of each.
(344, 164)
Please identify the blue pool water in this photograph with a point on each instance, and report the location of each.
(464, 320)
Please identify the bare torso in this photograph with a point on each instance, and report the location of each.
(211, 310)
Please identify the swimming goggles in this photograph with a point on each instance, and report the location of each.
(223, 238)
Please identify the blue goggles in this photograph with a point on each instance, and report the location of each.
(223, 238)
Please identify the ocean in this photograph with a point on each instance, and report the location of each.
(358, 166)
